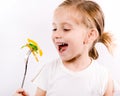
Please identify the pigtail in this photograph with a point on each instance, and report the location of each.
(93, 53)
(107, 39)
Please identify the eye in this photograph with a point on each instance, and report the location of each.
(66, 29)
(55, 29)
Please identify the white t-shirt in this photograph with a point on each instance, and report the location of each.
(57, 80)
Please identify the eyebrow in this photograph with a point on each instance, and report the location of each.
(64, 23)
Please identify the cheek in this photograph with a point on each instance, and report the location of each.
(77, 42)
(79, 39)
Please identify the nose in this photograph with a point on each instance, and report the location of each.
(57, 34)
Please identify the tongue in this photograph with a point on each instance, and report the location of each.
(63, 48)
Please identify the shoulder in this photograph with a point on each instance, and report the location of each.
(101, 72)
(102, 75)
(49, 67)
(100, 68)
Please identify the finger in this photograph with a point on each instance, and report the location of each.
(22, 92)
(17, 94)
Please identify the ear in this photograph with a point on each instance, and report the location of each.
(91, 36)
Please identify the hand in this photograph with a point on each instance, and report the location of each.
(21, 92)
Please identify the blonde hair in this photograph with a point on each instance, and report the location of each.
(92, 16)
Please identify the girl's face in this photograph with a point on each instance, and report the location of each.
(68, 35)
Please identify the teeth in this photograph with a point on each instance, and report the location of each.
(63, 44)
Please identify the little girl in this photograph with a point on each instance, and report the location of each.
(77, 26)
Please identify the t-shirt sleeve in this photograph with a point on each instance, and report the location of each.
(104, 80)
(41, 79)
(116, 85)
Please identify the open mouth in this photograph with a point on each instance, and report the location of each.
(62, 47)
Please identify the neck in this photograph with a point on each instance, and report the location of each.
(78, 63)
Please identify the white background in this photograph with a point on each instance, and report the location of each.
(22, 19)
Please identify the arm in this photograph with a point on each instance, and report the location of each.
(110, 89)
(40, 92)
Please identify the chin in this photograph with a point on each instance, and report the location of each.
(72, 59)
(67, 59)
